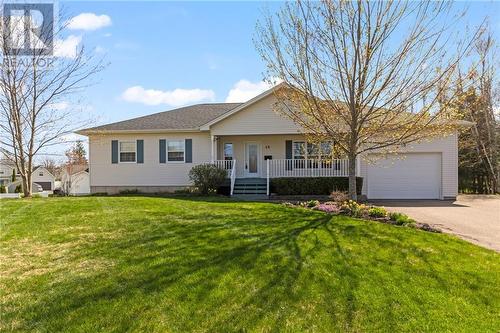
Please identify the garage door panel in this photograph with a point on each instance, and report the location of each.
(417, 176)
(46, 186)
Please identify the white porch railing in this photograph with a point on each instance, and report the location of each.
(308, 168)
(224, 164)
(230, 167)
(233, 176)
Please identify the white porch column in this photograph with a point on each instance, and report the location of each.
(213, 146)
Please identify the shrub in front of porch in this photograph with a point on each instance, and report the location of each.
(207, 177)
(312, 185)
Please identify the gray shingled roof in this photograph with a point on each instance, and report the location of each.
(189, 117)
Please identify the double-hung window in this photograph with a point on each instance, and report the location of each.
(299, 150)
(314, 153)
(127, 151)
(175, 151)
(299, 154)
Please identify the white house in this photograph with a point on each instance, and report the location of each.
(76, 180)
(44, 178)
(41, 178)
(155, 153)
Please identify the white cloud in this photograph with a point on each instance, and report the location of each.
(176, 97)
(60, 105)
(245, 90)
(89, 21)
(72, 137)
(67, 48)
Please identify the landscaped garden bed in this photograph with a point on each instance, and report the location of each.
(341, 205)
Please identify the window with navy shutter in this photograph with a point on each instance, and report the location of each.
(114, 151)
(140, 151)
(189, 150)
(163, 151)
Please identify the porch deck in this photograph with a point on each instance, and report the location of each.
(281, 168)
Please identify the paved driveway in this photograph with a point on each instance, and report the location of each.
(475, 218)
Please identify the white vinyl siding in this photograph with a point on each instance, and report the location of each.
(258, 118)
(80, 183)
(150, 173)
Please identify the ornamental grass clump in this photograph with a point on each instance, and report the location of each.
(401, 219)
(377, 212)
(339, 197)
(354, 209)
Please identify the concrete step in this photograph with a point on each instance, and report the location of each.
(242, 191)
(251, 197)
(250, 181)
(250, 186)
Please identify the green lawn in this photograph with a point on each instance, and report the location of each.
(149, 264)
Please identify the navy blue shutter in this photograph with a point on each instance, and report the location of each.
(114, 151)
(188, 146)
(163, 151)
(288, 154)
(140, 151)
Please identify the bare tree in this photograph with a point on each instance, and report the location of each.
(35, 90)
(479, 158)
(51, 165)
(367, 75)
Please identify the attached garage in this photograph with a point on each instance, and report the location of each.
(411, 176)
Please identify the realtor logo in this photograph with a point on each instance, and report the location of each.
(28, 29)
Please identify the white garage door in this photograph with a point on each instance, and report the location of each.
(417, 176)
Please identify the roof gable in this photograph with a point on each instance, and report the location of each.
(259, 118)
(242, 106)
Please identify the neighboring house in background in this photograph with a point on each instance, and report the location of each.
(76, 180)
(6, 168)
(154, 153)
(42, 179)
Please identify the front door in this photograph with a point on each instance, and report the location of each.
(252, 159)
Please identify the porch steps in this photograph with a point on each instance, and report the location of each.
(250, 186)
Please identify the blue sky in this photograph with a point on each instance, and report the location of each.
(203, 48)
(166, 46)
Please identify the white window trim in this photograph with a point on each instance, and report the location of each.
(119, 151)
(183, 150)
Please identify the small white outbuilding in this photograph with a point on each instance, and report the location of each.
(76, 181)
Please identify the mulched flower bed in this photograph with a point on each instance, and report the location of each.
(354, 209)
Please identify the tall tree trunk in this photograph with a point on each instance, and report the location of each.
(26, 186)
(352, 177)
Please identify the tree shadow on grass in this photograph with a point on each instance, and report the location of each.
(219, 270)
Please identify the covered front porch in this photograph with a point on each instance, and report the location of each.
(254, 159)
